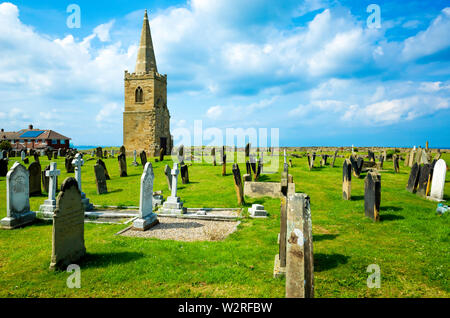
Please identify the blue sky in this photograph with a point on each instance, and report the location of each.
(314, 69)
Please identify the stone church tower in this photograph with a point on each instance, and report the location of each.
(146, 119)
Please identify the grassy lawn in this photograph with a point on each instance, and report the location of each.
(410, 244)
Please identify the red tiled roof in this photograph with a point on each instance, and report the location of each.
(47, 134)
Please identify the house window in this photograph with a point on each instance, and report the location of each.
(139, 95)
(54, 141)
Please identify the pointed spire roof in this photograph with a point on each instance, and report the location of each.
(146, 56)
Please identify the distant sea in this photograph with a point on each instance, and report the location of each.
(84, 147)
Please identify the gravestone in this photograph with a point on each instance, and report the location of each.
(184, 174)
(68, 226)
(100, 179)
(406, 162)
(224, 164)
(424, 178)
(181, 154)
(411, 157)
(248, 168)
(238, 184)
(413, 180)
(438, 181)
(17, 198)
(122, 150)
(134, 163)
(161, 154)
(49, 206)
(173, 205)
(35, 172)
(36, 157)
(347, 180)
(396, 163)
(122, 164)
(26, 161)
(22, 155)
(68, 164)
(168, 174)
(380, 163)
(113, 152)
(143, 157)
(78, 162)
(371, 155)
(247, 150)
(213, 154)
(3, 167)
(372, 195)
(55, 155)
(101, 163)
(59, 152)
(354, 164)
(299, 248)
(49, 155)
(334, 159)
(147, 218)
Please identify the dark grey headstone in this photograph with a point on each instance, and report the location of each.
(100, 179)
(35, 179)
(372, 195)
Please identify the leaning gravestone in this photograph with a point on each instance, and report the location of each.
(35, 172)
(372, 195)
(347, 180)
(68, 226)
(396, 163)
(238, 184)
(143, 157)
(438, 181)
(17, 198)
(413, 180)
(100, 179)
(334, 158)
(424, 178)
(101, 163)
(167, 172)
(122, 164)
(147, 218)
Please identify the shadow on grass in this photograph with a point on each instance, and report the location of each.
(116, 190)
(390, 208)
(323, 262)
(322, 237)
(390, 217)
(357, 197)
(263, 178)
(93, 260)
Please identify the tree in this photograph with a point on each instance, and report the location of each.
(5, 145)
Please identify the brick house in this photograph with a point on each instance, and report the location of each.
(35, 139)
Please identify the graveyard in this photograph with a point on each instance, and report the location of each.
(409, 241)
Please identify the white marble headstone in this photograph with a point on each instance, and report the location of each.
(146, 196)
(438, 181)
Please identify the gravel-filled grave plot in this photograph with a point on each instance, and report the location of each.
(188, 230)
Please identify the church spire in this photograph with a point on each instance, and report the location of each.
(146, 56)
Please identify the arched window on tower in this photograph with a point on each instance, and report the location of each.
(139, 95)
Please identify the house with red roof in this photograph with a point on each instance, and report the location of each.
(32, 138)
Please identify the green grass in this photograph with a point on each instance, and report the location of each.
(410, 244)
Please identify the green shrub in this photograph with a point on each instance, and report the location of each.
(5, 145)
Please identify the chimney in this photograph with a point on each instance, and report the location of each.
(30, 126)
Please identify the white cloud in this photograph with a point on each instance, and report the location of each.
(214, 112)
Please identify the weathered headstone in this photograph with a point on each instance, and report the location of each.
(143, 157)
(213, 154)
(347, 180)
(100, 179)
(334, 158)
(68, 164)
(22, 155)
(17, 198)
(238, 184)
(36, 157)
(101, 163)
(161, 154)
(372, 195)
(299, 248)
(147, 218)
(35, 172)
(247, 150)
(122, 150)
(168, 174)
(3, 167)
(413, 180)
(55, 155)
(184, 174)
(122, 164)
(224, 164)
(78, 162)
(68, 226)
(424, 178)
(438, 181)
(396, 163)
(134, 163)
(51, 174)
